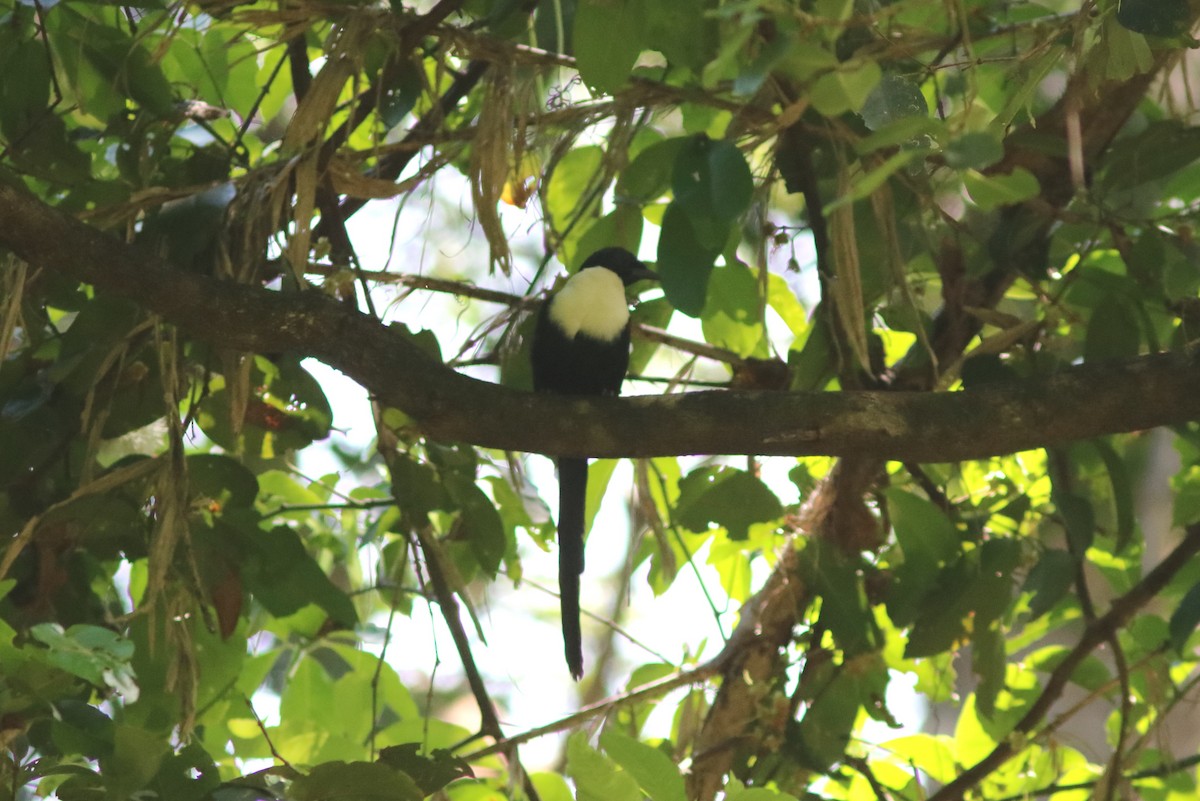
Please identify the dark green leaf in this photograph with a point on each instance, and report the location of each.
(431, 773)
(1185, 618)
(988, 663)
(992, 591)
(732, 499)
(190, 775)
(282, 575)
(82, 729)
(712, 182)
(222, 479)
(731, 183)
(1159, 151)
(355, 781)
(1154, 17)
(401, 92)
(684, 264)
(1113, 331)
(844, 608)
(975, 150)
(1122, 492)
(92, 653)
(483, 524)
(23, 102)
(1049, 581)
(836, 693)
(1079, 519)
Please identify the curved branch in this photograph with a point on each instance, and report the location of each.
(1079, 403)
(1097, 632)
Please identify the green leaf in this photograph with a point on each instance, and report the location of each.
(836, 692)
(684, 264)
(975, 150)
(1113, 331)
(844, 607)
(988, 663)
(355, 781)
(895, 97)
(94, 654)
(22, 102)
(730, 182)
(733, 314)
(188, 231)
(711, 180)
(598, 778)
(1154, 17)
(1091, 673)
(401, 91)
(658, 776)
(1185, 618)
(1160, 150)
(732, 499)
(282, 575)
(1079, 519)
(483, 524)
(80, 728)
(1048, 581)
(1122, 492)
(682, 31)
(135, 758)
(432, 772)
(994, 191)
(567, 191)
(119, 62)
(621, 227)
(608, 39)
(417, 487)
(926, 535)
(648, 176)
(845, 89)
(222, 479)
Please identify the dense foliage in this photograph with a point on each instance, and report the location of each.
(939, 257)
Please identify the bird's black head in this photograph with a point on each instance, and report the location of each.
(621, 262)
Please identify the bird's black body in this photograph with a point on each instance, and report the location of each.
(581, 347)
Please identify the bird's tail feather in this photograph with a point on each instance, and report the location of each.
(572, 497)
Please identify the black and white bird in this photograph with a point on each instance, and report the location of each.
(581, 347)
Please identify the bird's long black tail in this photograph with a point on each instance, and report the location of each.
(572, 497)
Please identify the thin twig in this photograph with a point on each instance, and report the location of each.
(266, 735)
(1094, 635)
(652, 690)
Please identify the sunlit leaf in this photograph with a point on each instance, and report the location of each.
(608, 38)
(655, 772)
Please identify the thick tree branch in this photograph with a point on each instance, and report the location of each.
(1078, 403)
(835, 509)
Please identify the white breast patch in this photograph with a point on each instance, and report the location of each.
(591, 303)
